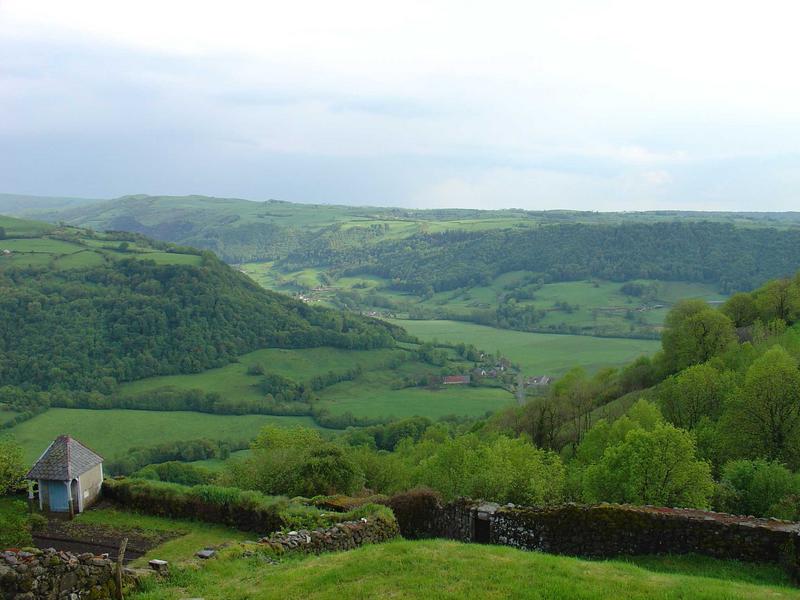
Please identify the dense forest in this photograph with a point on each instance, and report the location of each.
(734, 258)
(89, 328)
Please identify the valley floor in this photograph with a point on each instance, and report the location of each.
(536, 353)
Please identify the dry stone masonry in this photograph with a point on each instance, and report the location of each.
(52, 575)
(342, 536)
(609, 530)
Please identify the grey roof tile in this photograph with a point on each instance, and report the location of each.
(65, 459)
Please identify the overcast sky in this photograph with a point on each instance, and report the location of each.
(600, 105)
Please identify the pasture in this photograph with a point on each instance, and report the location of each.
(112, 433)
(536, 353)
(233, 382)
(7, 415)
(23, 227)
(372, 396)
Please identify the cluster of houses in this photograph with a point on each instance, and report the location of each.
(538, 380)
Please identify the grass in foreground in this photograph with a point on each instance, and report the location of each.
(114, 432)
(537, 353)
(444, 569)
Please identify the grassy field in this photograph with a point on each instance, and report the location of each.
(22, 227)
(443, 569)
(537, 353)
(7, 415)
(233, 381)
(111, 433)
(217, 464)
(372, 396)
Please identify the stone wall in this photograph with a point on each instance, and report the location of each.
(342, 536)
(49, 574)
(604, 530)
(609, 530)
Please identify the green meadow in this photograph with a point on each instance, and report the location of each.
(7, 415)
(451, 570)
(233, 381)
(23, 227)
(112, 433)
(371, 395)
(536, 353)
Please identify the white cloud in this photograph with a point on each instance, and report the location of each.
(585, 103)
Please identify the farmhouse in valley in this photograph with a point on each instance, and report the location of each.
(69, 474)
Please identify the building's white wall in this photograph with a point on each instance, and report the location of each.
(91, 483)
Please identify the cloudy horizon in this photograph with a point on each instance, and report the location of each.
(604, 105)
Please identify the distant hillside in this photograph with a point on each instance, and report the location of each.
(81, 310)
(21, 204)
(503, 268)
(246, 231)
(734, 258)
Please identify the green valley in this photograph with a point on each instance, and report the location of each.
(536, 353)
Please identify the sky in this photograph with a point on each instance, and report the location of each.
(590, 105)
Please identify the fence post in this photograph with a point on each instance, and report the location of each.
(120, 561)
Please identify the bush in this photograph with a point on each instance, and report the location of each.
(176, 472)
(15, 525)
(756, 487)
(414, 509)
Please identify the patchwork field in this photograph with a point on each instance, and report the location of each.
(536, 353)
(111, 433)
(70, 249)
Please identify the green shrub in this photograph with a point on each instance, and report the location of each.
(15, 525)
(176, 472)
(246, 510)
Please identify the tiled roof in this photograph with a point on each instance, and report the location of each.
(65, 459)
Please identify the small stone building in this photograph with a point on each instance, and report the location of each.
(70, 476)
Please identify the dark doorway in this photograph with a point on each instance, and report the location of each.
(481, 531)
(75, 495)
